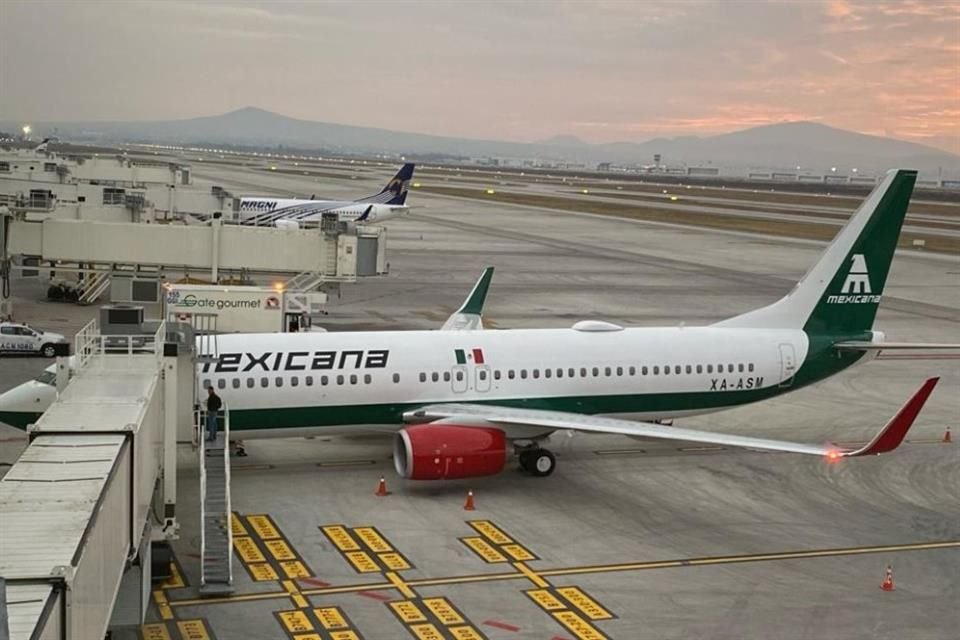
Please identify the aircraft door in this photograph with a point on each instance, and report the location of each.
(458, 378)
(788, 365)
(482, 383)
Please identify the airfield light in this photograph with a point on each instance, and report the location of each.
(674, 198)
(278, 287)
(834, 169)
(854, 169)
(833, 455)
(273, 167)
(586, 190)
(490, 192)
(416, 185)
(26, 130)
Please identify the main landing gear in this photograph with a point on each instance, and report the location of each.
(538, 462)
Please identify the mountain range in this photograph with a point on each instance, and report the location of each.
(812, 146)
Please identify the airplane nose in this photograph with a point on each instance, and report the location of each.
(23, 404)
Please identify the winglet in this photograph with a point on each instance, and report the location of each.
(468, 316)
(896, 429)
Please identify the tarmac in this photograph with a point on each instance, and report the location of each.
(628, 539)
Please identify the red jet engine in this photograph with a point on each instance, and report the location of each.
(449, 451)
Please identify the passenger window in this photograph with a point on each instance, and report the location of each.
(396, 378)
(709, 368)
(633, 371)
(446, 376)
(729, 368)
(559, 373)
(251, 383)
(536, 373)
(279, 381)
(740, 367)
(523, 374)
(324, 381)
(206, 384)
(294, 381)
(571, 373)
(496, 374)
(423, 377)
(619, 371)
(367, 379)
(583, 373)
(644, 371)
(510, 374)
(750, 367)
(459, 376)
(546, 373)
(340, 379)
(678, 369)
(236, 383)
(656, 371)
(221, 384)
(699, 368)
(309, 381)
(353, 378)
(264, 382)
(483, 374)
(666, 370)
(689, 369)
(596, 372)
(435, 376)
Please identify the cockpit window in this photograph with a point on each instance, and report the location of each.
(47, 377)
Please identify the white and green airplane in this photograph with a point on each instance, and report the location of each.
(460, 399)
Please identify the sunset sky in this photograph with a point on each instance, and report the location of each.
(603, 71)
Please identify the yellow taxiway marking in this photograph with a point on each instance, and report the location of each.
(347, 634)
(590, 607)
(444, 611)
(163, 605)
(155, 631)
(193, 630)
(263, 526)
(578, 626)
(491, 531)
(408, 611)
(531, 575)
(546, 599)
(568, 571)
(465, 633)
(331, 618)
(374, 541)
(295, 621)
(401, 586)
(426, 631)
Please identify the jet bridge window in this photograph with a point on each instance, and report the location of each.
(113, 196)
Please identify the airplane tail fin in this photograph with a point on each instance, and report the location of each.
(396, 190)
(841, 293)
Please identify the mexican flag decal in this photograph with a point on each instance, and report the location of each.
(474, 354)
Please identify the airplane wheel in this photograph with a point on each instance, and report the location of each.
(541, 463)
(526, 460)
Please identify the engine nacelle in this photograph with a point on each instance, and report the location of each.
(448, 451)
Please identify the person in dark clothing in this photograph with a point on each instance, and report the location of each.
(213, 408)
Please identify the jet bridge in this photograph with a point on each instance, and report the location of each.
(95, 485)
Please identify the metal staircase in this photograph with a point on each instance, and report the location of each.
(93, 287)
(216, 534)
(304, 281)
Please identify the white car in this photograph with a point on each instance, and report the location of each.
(20, 338)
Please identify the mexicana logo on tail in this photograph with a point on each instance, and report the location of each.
(857, 284)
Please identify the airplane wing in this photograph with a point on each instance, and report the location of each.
(888, 439)
(469, 316)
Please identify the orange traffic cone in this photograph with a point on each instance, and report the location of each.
(468, 505)
(382, 488)
(946, 436)
(887, 584)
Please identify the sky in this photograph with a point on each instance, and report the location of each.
(604, 71)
